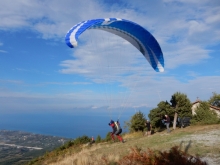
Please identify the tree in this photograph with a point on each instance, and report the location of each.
(204, 115)
(165, 108)
(137, 122)
(108, 137)
(158, 113)
(98, 139)
(82, 140)
(155, 117)
(181, 106)
(215, 100)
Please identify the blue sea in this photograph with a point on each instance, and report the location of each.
(63, 124)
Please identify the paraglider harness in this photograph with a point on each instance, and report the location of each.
(116, 127)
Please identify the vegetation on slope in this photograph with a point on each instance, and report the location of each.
(189, 142)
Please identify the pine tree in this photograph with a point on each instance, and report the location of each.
(181, 106)
(156, 115)
(98, 139)
(215, 100)
(137, 122)
(108, 136)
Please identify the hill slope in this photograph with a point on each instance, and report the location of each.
(203, 141)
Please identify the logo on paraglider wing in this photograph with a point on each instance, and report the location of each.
(108, 21)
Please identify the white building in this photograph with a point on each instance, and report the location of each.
(196, 104)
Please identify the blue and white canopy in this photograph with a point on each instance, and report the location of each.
(130, 31)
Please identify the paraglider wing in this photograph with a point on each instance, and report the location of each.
(130, 31)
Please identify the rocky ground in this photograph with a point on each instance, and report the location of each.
(206, 138)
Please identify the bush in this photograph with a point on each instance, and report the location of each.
(98, 139)
(108, 137)
(137, 122)
(173, 157)
(82, 140)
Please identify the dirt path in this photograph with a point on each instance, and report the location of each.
(206, 138)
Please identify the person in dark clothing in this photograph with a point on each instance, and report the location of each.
(92, 140)
(167, 123)
(148, 125)
(116, 130)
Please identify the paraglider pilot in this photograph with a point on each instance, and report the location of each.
(116, 130)
(148, 125)
(167, 122)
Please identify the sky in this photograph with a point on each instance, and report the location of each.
(40, 73)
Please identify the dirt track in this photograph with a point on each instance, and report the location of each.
(207, 138)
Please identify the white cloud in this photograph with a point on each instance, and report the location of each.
(184, 29)
(184, 54)
(148, 91)
(101, 53)
(3, 51)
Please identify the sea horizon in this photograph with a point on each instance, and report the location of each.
(61, 124)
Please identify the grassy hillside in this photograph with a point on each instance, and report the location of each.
(202, 141)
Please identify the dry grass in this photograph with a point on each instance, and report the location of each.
(88, 156)
(203, 141)
(174, 156)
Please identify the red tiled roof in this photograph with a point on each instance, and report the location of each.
(197, 101)
(214, 107)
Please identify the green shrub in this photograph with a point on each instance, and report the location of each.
(137, 122)
(108, 137)
(82, 140)
(204, 115)
(98, 139)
